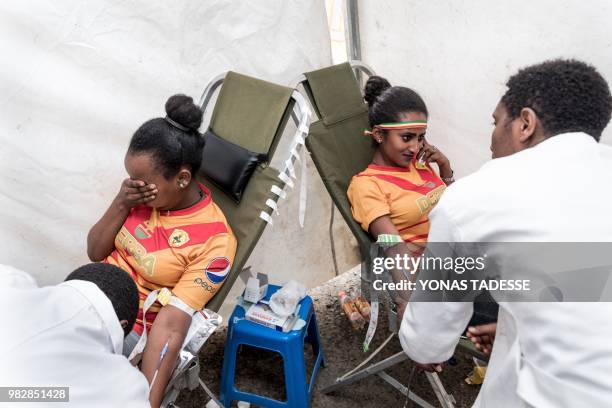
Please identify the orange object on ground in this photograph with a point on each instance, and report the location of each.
(351, 311)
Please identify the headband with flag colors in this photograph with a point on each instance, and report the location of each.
(413, 124)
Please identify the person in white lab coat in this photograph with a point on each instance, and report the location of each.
(550, 181)
(71, 335)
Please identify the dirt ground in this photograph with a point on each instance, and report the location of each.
(262, 372)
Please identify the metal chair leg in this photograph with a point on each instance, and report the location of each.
(404, 390)
(366, 372)
(210, 393)
(446, 400)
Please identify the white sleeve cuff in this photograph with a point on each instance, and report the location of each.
(430, 331)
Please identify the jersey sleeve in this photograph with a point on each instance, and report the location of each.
(205, 274)
(368, 201)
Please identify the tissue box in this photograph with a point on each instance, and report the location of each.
(256, 288)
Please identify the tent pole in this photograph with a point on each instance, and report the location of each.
(353, 41)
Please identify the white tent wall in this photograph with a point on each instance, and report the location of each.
(78, 78)
(458, 55)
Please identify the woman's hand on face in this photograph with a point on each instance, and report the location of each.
(433, 155)
(135, 192)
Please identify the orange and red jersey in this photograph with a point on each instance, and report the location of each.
(405, 194)
(189, 251)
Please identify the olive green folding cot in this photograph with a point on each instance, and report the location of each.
(339, 151)
(252, 114)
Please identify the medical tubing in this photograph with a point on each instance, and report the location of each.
(161, 357)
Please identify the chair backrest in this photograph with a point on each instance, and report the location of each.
(253, 114)
(336, 142)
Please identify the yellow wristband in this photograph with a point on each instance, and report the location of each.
(164, 296)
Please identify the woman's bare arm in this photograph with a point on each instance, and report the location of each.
(384, 225)
(171, 325)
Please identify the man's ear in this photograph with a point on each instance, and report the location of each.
(528, 122)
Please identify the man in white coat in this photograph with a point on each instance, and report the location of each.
(550, 181)
(70, 335)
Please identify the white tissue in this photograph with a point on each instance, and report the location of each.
(285, 300)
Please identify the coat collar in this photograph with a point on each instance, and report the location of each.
(104, 308)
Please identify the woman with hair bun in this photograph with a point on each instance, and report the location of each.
(165, 231)
(396, 192)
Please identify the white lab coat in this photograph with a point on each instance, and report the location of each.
(545, 354)
(66, 336)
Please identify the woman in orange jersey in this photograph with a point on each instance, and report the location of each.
(165, 231)
(396, 192)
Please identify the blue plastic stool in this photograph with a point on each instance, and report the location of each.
(289, 345)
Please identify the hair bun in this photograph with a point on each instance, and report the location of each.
(374, 88)
(181, 109)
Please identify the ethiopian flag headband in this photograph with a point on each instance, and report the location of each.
(413, 124)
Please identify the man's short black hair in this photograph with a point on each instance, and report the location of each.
(116, 284)
(567, 96)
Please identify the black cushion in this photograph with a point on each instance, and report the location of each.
(228, 165)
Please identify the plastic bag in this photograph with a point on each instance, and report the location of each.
(203, 324)
(285, 300)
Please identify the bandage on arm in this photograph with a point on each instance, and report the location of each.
(179, 304)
